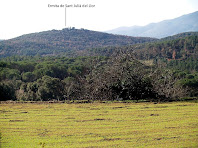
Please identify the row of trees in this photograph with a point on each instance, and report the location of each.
(43, 78)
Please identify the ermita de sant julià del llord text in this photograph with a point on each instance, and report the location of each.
(71, 6)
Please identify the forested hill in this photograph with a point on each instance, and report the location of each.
(66, 41)
(179, 36)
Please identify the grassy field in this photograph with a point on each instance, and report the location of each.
(99, 125)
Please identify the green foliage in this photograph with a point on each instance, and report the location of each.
(45, 78)
(50, 88)
(28, 77)
(134, 88)
(11, 74)
(6, 92)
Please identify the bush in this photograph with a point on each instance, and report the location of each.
(6, 92)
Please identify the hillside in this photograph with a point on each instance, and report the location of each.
(179, 36)
(171, 48)
(185, 23)
(66, 41)
(184, 46)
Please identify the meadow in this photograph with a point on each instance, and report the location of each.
(61, 125)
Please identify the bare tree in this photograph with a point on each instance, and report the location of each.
(165, 84)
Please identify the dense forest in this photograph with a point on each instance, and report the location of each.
(61, 78)
(164, 70)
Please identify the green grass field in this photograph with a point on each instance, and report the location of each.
(99, 125)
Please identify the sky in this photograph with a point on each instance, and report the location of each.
(18, 17)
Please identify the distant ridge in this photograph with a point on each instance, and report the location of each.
(185, 23)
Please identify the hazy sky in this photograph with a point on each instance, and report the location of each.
(19, 17)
